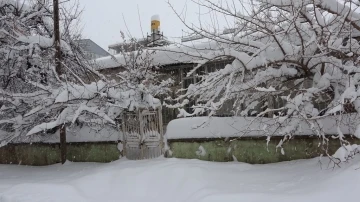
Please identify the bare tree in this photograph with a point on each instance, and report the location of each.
(301, 53)
(138, 76)
(37, 97)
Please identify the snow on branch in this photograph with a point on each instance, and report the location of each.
(35, 97)
(93, 110)
(293, 60)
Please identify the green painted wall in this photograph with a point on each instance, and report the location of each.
(250, 150)
(46, 154)
(93, 152)
(253, 150)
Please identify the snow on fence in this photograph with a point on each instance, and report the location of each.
(75, 134)
(222, 127)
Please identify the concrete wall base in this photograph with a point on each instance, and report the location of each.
(39, 154)
(253, 150)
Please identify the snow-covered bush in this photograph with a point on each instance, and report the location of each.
(138, 77)
(303, 53)
(36, 97)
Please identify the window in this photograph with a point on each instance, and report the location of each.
(187, 80)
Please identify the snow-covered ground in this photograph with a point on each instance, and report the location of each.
(171, 180)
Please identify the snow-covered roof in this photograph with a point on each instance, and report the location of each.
(91, 47)
(196, 51)
(188, 52)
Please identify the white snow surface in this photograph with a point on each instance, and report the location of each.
(222, 127)
(175, 180)
(155, 17)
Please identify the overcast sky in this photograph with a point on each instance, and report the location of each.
(102, 20)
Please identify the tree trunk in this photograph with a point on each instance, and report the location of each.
(57, 38)
(63, 150)
(271, 105)
(59, 72)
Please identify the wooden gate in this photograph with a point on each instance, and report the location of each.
(143, 135)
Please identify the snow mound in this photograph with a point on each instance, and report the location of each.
(190, 181)
(346, 152)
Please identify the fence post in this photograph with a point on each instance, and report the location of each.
(159, 112)
(141, 120)
(123, 125)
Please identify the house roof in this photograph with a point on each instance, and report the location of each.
(197, 51)
(90, 46)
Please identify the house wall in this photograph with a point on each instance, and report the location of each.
(178, 73)
(111, 73)
(252, 150)
(175, 72)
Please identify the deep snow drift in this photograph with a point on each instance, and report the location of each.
(171, 180)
